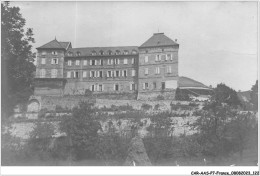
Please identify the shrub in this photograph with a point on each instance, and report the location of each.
(156, 107)
(160, 97)
(146, 106)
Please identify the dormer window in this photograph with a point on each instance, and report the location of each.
(117, 52)
(78, 53)
(101, 52)
(109, 52)
(126, 52)
(54, 53)
(94, 53)
(70, 54)
(134, 52)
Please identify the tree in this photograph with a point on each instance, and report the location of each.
(17, 59)
(82, 131)
(181, 95)
(225, 94)
(254, 95)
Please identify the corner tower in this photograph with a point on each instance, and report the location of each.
(158, 68)
(49, 78)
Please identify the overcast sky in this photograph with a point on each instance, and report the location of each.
(218, 40)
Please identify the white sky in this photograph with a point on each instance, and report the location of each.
(218, 40)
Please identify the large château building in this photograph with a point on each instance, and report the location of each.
(148, 71)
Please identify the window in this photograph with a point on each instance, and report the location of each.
(94, 53)
(124, 73)
(84, 74)
(69, 62)
(117, 73)
(157, 57)
(92, 88)
(116, 87)
(101, 62)
(109, 74)
(163, 85)
(54, 53)
(132, 86)
(54, 61)
(168, 57)
(125, 61)
(100, 87)
(100, 74)
(145, 86)
(78, 53)
(157, 70)
(92, 74)
(43, 61)
(134, 52)
(101, 52)
(109, 52)
(116, 61)
(109, 62)
(169, 69)
(85, 62)
(96, 62)
(133, 72)
(76, 74)
(42, 73)
(54, 73)
(146, 71)
(92, 62)
(145, 59)
(77, 62)
(154, 85)
(133, 60)
(125, 52)
(43, 53)
(68, 74)
(70, 54)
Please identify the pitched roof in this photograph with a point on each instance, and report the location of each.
(158, 39)
(54, 44)
(88, 50)
(64, 44)
(185, 82)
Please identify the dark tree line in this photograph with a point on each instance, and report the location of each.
(17, 59)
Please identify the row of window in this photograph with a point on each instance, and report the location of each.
(54, 53)
(101, 62)
(157, 70)
(160, 57)
(94, 53)
(91, 62)
(154, 84)
(100, 74)
(100, 87)
(92, 74)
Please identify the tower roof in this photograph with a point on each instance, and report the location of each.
(54, 44)
(158, 39)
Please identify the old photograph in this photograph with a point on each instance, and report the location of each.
(129, 83)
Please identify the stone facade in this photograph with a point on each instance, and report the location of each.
(149, 70)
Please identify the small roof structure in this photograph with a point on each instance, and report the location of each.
(158, 39)
(87, 51)
(188, 83)
(54, 44)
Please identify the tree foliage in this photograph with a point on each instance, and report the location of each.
(82, 130)
(225, 94)
(181, 95)
(17, 58)
(254, 95)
